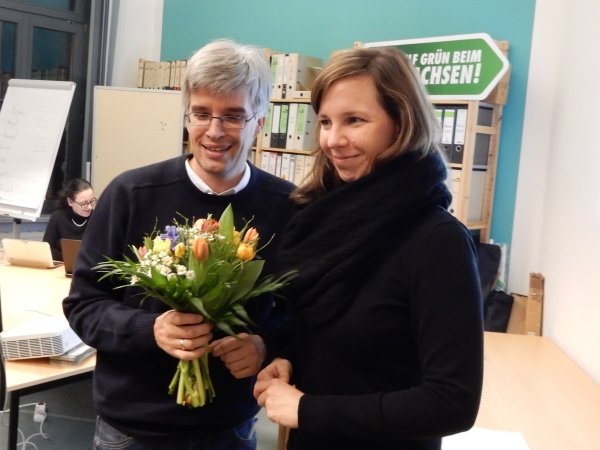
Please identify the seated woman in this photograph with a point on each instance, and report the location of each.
(69, 221)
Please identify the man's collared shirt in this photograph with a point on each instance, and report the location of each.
(200, 184)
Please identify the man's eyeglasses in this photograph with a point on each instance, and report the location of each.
(229, 122)
(87, 204)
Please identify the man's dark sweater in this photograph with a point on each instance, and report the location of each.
(132, 373)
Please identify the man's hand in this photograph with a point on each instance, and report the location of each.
(182, 335)
(243, 354)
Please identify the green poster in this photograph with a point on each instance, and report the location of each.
(463, 66)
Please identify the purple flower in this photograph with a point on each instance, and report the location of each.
(170, 233)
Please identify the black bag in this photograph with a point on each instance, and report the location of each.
(497, 307)
(488, 264)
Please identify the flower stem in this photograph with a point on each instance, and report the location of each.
(192, 382)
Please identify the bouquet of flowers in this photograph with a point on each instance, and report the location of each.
(207, 268)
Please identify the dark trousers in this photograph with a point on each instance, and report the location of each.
(240, 437)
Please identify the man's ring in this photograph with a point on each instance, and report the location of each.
(181, 344)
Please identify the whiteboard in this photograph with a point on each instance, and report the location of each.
(32, 121)
(133, 128)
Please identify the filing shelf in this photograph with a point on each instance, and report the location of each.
(472, 183)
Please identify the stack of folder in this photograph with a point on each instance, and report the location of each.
(290, 126)
(289, 166)
(75, 356)
(291, 73)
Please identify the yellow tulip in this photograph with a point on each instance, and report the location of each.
(236, 237)
(161, 246)
(179, 250)
(245, 252)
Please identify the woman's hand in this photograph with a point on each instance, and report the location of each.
(273, 392)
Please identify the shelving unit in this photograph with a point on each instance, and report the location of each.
(290, 116)
(472, 162)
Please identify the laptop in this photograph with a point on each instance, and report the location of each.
(22, 252)
(70, 249)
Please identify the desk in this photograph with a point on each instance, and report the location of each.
(33, 375)
(531, 386)
(26, 293)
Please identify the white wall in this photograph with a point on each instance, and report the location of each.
(137, 35)
(557, 218)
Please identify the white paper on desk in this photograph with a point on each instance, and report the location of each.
(478, 438)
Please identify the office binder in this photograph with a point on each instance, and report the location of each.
(275, 126)
(299, 170)
(285, 166)
(165, 75)
(291, 126)
(306, 121)
(300, 72)
(277, 164)
(183, 69)
(458, 142)
(292, 168)
(285, 75)
(140, 80)
(264, 161)
(309, 162)
(272, 163)
(177, 76)
(283, 123)
(482, 146)
(277, 73)
(439, 115)
(267, 126)
(171, 75)
(273, 63)
(448, 121)
(454, 180)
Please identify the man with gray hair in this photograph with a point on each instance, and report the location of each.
(225, 94)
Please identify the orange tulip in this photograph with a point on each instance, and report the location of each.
(251, 236)
(200, 249)
(206, 225)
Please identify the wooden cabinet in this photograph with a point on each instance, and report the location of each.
(133, 127)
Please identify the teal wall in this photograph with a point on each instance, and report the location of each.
(317, 27)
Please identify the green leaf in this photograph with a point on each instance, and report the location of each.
(247, 278)
(199, 304)
(158, 279)
(225, 328)
(148, 242)
(241, 312)
(226, 225)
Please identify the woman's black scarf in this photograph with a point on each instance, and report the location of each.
(334, 241)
